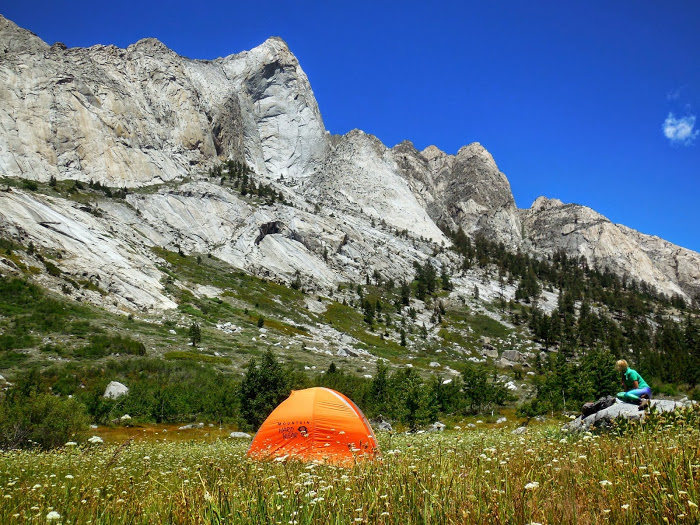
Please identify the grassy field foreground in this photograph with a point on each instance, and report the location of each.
(460, 476)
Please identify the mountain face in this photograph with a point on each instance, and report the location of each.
(148, 119)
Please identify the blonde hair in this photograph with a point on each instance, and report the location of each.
(621, 365)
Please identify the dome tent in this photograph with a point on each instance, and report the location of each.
(315, 424)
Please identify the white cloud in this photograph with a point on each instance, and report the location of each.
(680, 130)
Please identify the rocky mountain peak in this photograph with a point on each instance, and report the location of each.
(150, 46)
(14, 39)
(433, 152)
(475, 152)
(543, 203)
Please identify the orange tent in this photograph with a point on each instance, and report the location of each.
(315, 424)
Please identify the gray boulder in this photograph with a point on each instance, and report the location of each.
(489, 351)
(592, 408)
(240, 435)
(604, 418)
(437, 427)
(190, 426)
(505, 363)
(381, 424)
(512, 355)
(115, 389)
(519, 431)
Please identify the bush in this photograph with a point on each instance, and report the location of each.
(40, 420)
(30, 185)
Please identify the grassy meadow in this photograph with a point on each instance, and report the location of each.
(474, 475)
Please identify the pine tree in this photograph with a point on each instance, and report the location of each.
(195, 334)
(263, 387)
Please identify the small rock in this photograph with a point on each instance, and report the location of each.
(437, 427)
(505, 363)
(381, 424)
(512, 355)
(501, 420)
(115, 389)
(434, 364)
(125, 417)
(520, 430)
(240, 435)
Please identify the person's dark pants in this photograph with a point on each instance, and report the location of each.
(634, 396)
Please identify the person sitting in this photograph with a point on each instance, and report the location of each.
(637, 391)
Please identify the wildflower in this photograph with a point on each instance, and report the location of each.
(692, 504)
(71, 444)
(69, 476)
(532, 485)
(625, 506)
(53, 516)
(605, 483)
(95, 440)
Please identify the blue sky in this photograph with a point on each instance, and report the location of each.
(589, 102)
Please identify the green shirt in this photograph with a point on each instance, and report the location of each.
(631, 376)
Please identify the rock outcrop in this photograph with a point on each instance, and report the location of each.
(144, 115)
(361, 177)
(466, 190)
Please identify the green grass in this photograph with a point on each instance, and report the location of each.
(482, 325)
(195, 356)
(348, 320)
(476, 476)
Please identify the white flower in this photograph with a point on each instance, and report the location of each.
(532, 485)
(95, 440)
(69, 476)
(605, 483)
(53, 516)
(71, 444)
(625, 506)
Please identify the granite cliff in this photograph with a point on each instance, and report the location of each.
(147, 119)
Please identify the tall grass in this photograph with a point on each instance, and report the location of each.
(476, 476)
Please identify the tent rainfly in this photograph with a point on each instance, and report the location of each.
(316, 424)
